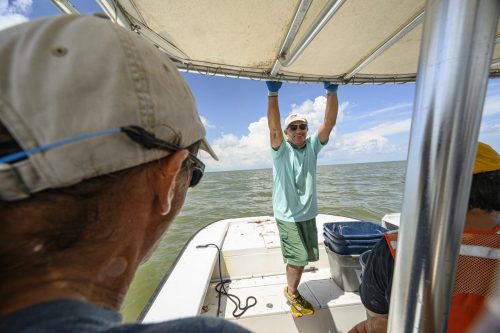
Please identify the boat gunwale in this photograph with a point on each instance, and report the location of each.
(167, 274)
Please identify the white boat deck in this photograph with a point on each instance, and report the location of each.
(264, 278)
(336, 310)
(252, 260)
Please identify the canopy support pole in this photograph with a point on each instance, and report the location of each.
(455, 58)
(65, 6)
(116, 15)
(114, 12)
(386, 44)
(324, 16)
(300, 14)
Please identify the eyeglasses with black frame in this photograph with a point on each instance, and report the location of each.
(149, 141)
(293, 128)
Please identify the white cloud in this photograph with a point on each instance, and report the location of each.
(359, 146)
(390, 109)
(490, 134)
(490, 127)
(370, 145)
(17, 6)
(494, 87)
(247, 152)
(388, 128)
(14, 12)
(362, 142)
(382, 140)
(491, 105)
(206, 122)
(252, 151)
(315, 111)
(11, 19)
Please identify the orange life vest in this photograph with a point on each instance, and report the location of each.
(477, 275)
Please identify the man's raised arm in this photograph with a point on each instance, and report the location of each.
(331, 111)
(273, 114)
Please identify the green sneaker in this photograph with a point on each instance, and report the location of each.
(298, 305)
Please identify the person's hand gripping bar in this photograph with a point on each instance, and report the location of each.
(273, 87)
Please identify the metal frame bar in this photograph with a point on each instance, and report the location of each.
(258, 74)
(262, 75)
(114, 9)
(114, 12)
(386, 44)
(326, 14)
(135, 13)
(300, 14)
(160, 41)
(65, 6)
(450, 92)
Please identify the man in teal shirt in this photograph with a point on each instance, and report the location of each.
(294, 187)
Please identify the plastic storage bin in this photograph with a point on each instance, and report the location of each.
(345, 270)
(344, 243)
(348, 249)
(340, 241)
(352, 237)
(362, 230)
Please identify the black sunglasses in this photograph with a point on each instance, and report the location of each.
(301, 126)
(136, 133)
(149, 141)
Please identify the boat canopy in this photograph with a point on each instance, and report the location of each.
(355, 41)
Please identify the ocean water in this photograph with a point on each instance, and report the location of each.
(363, 191)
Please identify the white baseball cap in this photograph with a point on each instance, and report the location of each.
(294, 117)
(78, 80)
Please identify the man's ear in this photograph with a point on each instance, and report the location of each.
(165, 180)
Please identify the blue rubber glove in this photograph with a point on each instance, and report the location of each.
(273, 87)
(330, 88)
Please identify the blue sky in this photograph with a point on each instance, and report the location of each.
(373, 124)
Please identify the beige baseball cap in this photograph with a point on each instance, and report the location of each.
(76, 80)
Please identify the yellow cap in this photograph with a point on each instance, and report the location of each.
(487, 159)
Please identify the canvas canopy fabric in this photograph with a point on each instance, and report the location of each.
(374, 41)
